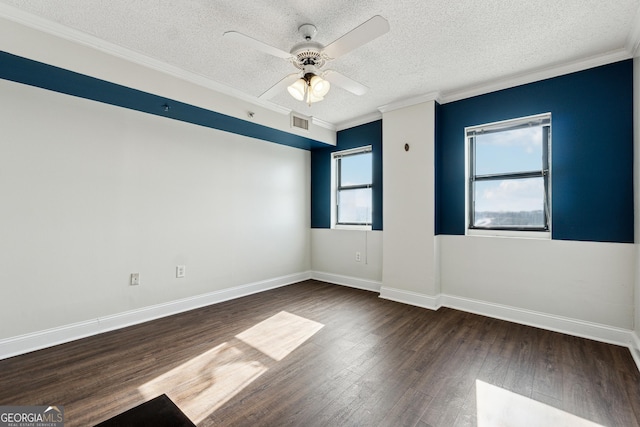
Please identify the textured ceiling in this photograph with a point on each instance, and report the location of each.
(433, 45)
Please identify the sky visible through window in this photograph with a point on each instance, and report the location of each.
(509, 187)
(517, 150)
(355, 204)
(356, 169)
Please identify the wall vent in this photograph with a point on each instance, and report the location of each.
(300, 122)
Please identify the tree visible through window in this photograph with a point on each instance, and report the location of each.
(353, 194)
(509, 174)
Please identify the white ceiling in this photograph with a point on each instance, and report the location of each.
(439, 46)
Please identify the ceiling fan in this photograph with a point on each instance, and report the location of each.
(311, 82)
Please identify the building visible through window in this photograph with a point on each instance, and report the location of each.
(352, 196)
(509, 175)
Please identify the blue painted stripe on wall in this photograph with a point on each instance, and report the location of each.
(592, 150)
(26, 71)
(359, 136)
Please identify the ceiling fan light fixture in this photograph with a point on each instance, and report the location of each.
(310, 88)
(319, 86)
(309, 57)
(298, 89)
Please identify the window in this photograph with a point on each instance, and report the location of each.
(352, 181)
(509, 176)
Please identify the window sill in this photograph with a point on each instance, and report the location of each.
(352, 227)
(540, 235)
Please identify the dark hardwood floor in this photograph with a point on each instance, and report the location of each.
(315, 354)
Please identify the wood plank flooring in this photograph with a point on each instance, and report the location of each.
(315, 354)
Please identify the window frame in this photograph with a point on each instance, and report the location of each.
(542, 120)
(336, 157)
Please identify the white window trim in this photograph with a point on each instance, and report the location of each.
(522, 234)
(334, 190)
(544, 235)
(351, 227)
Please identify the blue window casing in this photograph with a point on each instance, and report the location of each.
(592, 150)
(359, 136)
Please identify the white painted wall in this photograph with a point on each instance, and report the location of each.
(409, 255)
(333, 252)
(92, 193)
(584, 281)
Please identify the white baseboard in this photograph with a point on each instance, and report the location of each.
(635, 348)
(14, 346)
(550, 322)
(411, 298)
(352, 282)
(579, 328)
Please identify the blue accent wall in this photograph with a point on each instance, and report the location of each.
(26, 71)
(592, 150)
(359, 136)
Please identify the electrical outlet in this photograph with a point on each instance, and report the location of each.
(181, 270)
(135, 279)
(358, 257)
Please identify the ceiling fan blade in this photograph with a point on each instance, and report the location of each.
(364, 33)
(280, 86)
(256, 44)
(345, 82)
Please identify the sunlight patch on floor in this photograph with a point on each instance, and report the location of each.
(497, 407)
(280, 334)
(206, 382)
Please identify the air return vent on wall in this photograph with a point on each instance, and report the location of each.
(300, 122)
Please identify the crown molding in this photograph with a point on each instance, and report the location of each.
(323, 124)
(537, 75)
(633, 39)
(58, 30)
(367, 118)
(408, 102)
(631, 49)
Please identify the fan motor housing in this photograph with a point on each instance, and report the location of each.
(308, 54)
